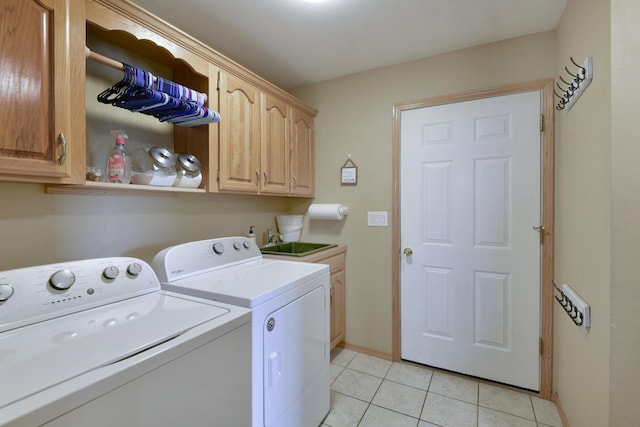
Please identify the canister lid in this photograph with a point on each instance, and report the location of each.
(189, 162)
(162, 157)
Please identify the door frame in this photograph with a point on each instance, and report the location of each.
(545, 86)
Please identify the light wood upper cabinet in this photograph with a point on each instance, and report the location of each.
(264, 143)
(265, 150)
(239, 135)
(276, 131)
(303, 172)
(125, 32)
(42, 91)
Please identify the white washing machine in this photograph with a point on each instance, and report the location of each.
(290, 318)
(99, 343)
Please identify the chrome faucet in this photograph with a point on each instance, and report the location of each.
(273, 237)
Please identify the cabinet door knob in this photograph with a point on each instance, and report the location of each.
(408, 251)
(295, 182)
(63, 156)
(257, 178)
(266, 178)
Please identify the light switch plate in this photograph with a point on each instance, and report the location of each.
(377, 219)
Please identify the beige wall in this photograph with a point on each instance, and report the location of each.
(583, 231)
(601, 222)
(39, 228)
(625, 213)
(356, 118)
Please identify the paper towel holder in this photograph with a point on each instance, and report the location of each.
(328, 211)
(349, 172)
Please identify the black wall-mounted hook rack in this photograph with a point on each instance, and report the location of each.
(575, 307)
(577, 84)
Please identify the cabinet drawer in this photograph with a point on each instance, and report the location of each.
(336, 262)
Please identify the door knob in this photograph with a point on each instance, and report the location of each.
(408, 251)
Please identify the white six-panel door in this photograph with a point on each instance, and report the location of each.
(470, 197)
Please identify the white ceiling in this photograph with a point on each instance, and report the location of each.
(292, 43)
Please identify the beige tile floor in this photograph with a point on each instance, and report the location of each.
(370, 392)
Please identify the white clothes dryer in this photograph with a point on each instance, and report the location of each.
(290, 321)
(99, 343)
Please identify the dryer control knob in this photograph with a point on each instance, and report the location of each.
(111, 272)
(6, 291)
(246, 244)
(237, 246)
(62, 280)
(218, 248)
(134, 269)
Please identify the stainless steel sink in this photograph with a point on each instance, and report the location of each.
(298, 249)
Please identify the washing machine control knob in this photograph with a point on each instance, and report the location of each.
(237, 246)
(62, 280)
(111, 272)
(134, 269)
(6, 291)
(246, 244)
(218, 248)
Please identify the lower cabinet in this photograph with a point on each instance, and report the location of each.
(336, 259)
(337, 304)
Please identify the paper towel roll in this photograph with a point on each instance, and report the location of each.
(328, 211)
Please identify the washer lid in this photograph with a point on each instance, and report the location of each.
(250, 283)
(35, 357)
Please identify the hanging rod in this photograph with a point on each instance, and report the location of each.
(88, 53)
(104, 60)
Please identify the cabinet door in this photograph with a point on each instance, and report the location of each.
(337, 308)
(42, 90)
(303, 174)
(239, 135)
(274, 157)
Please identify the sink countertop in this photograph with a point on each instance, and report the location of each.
(314, 257)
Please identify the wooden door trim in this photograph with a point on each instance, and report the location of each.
(547, 176)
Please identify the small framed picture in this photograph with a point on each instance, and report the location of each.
(349, 173)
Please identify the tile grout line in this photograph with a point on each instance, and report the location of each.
(533, 409)
(374, 394)
(425, 399)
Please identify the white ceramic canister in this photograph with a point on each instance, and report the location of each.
(188, 171)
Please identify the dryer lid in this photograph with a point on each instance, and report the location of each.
(36, 357)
